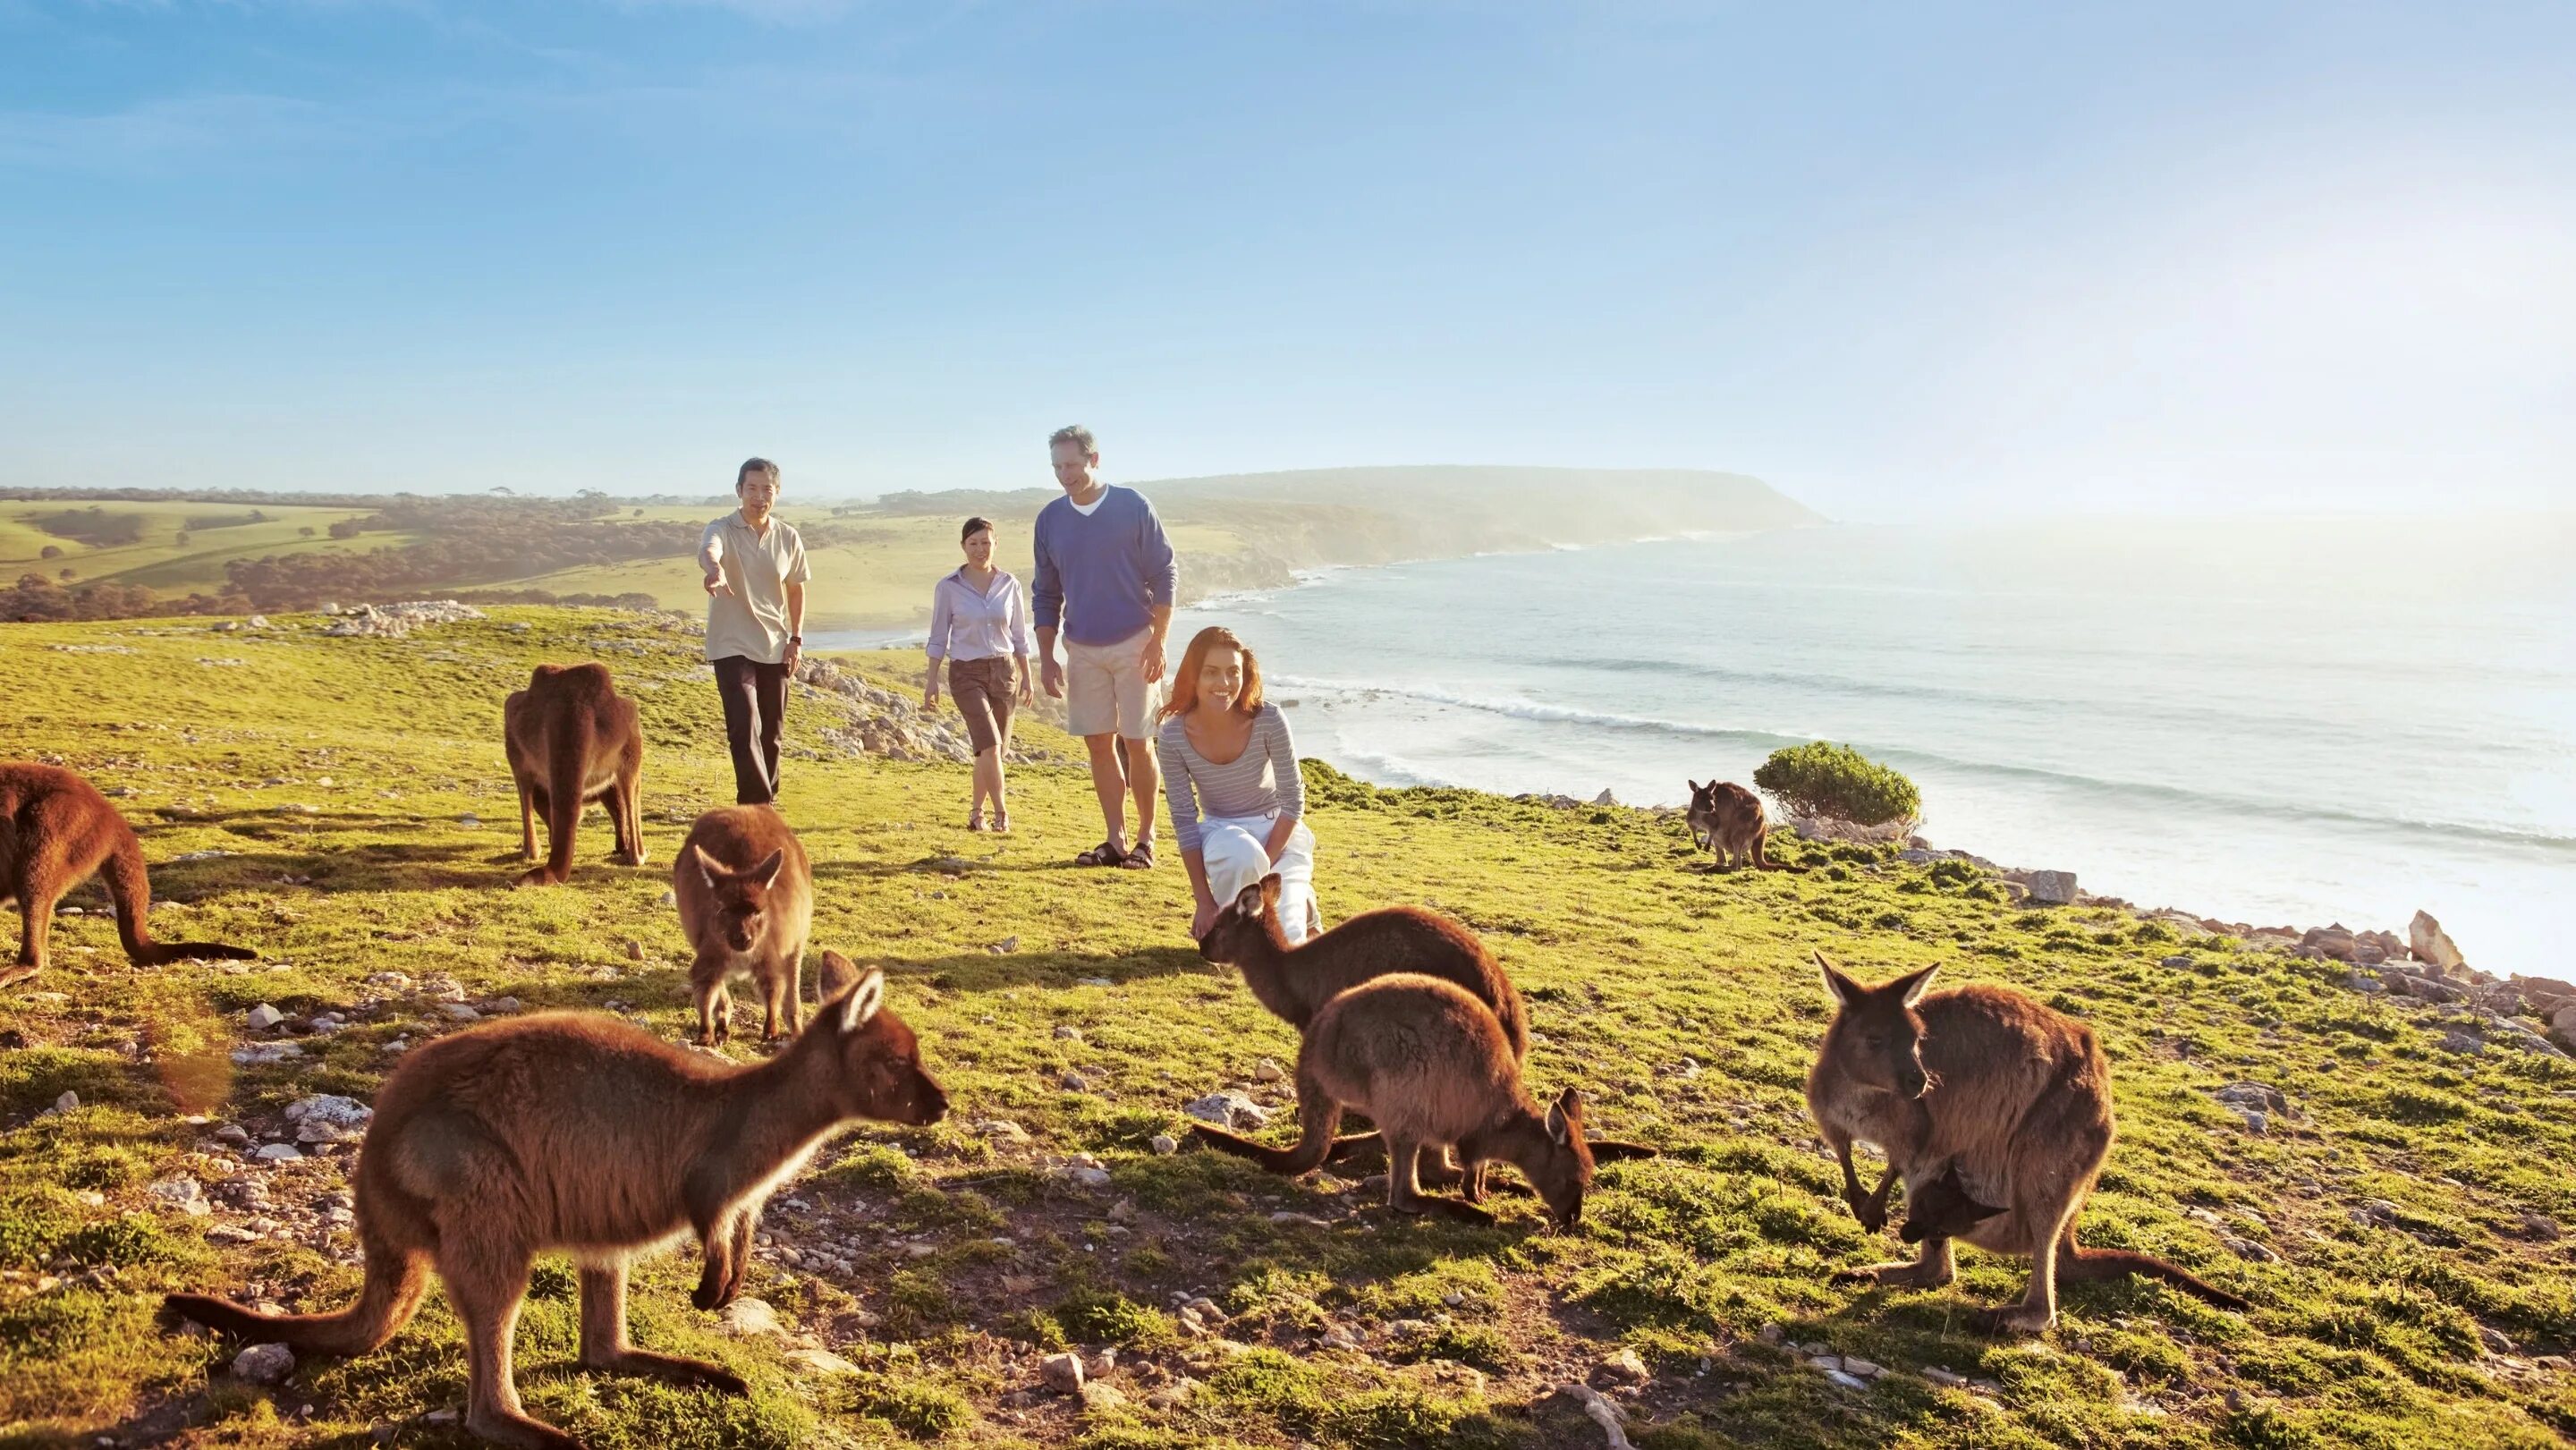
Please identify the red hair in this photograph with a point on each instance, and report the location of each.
(1185, 680)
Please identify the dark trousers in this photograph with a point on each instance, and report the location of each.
(755, 708)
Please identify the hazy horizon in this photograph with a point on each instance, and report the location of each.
(1896, 264)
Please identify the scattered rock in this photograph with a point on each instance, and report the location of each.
(1068, 1033)
(1846, 1379)
(1622, 1368)
(68, 1102)
(1946, 1379)
(181, 1192)
(748, 1316)
(264, 1364)
(1228, 1109)
(1101, 1362)
(394, 621)
(2494, 1340)
(2248, 1249)
(1102, 1399)
(1073, 1082)
(1165, 1145)
(2051, 888)
(635, 951)
(2539, 1227)
(2427, 942)
(1005, 946)
(1605, 798)
(820, 1361)
(1062, 1373)
(329, 1118)
(278, 1153)
(262, 1054)
(1003, 1130)
(1340, 1337)
(263, 1017)
(2464, 1043)
(1268, 1070)
(1855, 1365)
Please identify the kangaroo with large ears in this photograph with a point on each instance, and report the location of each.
(581, 1133)
(1992, 1096)
(746, 899)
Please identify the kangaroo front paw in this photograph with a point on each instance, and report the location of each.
(2020, 1319)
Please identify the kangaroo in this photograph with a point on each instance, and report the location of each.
(1294, 982)
(1727, 819)
(746, 900)
(1994, 1089)
(56, 831)
(1942, 1208)
(581, 1133)
(1434, 1068)
(572, 739)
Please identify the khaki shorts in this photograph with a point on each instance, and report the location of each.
(1105, 690)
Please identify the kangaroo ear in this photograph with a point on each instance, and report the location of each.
(1695, 786)
(838, 975)
(708, 870)
(860, 1007)
(1911, 987)
(1846, 991)
(1563, 1114)
(1247, 902)
(770, 865)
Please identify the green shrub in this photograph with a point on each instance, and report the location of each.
(1837, 782)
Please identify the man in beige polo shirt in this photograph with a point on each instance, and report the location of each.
(755, 581)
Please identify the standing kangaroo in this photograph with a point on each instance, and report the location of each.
(746, 900)
(584, 1134)
(572, 739)
(1727, 819)
(56, 830)
(1994, 1092)
(1434, 1068)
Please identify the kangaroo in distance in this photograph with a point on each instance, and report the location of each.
(746, 899)
(1993, 1089)
(56, 831)
(581, 1133)
(572, 739)
(1727, 819)
(1432, 1066)
(1294, 982)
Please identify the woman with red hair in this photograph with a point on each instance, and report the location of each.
(1230, 777)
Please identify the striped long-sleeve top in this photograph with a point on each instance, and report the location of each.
(1263, 779)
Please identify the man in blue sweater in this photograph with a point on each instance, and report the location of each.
(1105, 577)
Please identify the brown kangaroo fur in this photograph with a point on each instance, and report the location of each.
(1295, 982)
(1434, 1068)
(1992, 1088)
(581, 1133)
(1727, 819)
(746, 900)
(572, 739)
(56, 831)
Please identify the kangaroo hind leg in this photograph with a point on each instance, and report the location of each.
(603, 1337)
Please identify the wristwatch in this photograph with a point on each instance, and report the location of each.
(795, 639)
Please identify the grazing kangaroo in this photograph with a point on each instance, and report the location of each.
(1994, 1089)
(746, 900)
(1942, 1208)
(1727, 819)
(1295, 982)
(584, 1134)
(56, 831)
(572, 739)
(1434, 1068)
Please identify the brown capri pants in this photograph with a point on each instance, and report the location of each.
(982, 689)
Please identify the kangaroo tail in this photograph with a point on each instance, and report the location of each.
(2075, 1263)
(132, 889)
(1318, 1115)
(1761, 859)
(1613, 1150)
(395, 1283)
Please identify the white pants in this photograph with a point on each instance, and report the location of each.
(1233, 848)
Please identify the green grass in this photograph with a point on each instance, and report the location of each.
(971, 1257)
(158, 561)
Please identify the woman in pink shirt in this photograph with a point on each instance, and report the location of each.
(979, 624)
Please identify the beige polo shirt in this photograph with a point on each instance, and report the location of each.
(752, 621)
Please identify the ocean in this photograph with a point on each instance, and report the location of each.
(2282, 722)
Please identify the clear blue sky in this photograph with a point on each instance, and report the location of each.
(1892, 258)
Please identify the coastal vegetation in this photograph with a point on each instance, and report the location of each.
(342, 804)
(1837, 783)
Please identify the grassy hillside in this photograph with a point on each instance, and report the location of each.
(873, 563)
(341, 804)
(157, 558)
